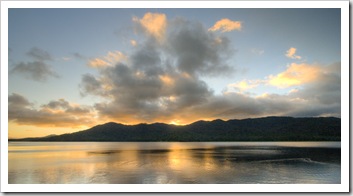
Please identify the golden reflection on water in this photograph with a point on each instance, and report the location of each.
(177, 160)
(154, 163)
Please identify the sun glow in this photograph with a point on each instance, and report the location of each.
(175, 122)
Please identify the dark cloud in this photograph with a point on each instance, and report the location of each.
(133, 93)
(90, 85)
(55, 113)
(16, 100)
(197, 51)
(61, 103)
(147, 58)
(237, 106)
(39, 54)
(37, 70)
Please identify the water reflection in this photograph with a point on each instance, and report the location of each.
(129, 163)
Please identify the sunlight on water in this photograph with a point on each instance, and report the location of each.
(173, 162)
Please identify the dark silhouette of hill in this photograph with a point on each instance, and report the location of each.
(256, 129)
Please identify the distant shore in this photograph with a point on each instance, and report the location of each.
(251, 130)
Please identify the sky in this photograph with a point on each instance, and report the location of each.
(71, 69)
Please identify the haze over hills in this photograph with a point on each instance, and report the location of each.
(257, 129)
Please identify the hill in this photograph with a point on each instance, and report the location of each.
(257, 129)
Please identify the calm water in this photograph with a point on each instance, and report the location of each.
(174, 162)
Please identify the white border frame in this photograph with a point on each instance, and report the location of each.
(345, 116)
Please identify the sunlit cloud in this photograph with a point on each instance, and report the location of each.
(291, 53)
(110, 59)
(244, 85)
(167, 80)
(226, 25)
(114, 57)
(97, 62)
(154, 24)
(296, 74)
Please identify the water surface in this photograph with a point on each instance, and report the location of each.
(174, 162)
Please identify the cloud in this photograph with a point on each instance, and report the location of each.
(326, 88)
(91, 85)
(135, 96)
(66, 107)
(18, 100)
(198, 51)
(61, 103)
(131, 96)
(318, 93)
(97, 62)
(58, 113)
(291, 53)
(108, 60)
(244, 85)
(39, 54)
(226, 25)
(153, 24)
(161, 80)
(321, 98)
(296, 74)
(187, 46)
(133, 42)
(37, 70)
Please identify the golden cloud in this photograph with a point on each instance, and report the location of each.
(296, 74)
(226, 25)
(291, 53)
(167, 80)
(154, 24)
(110, 59)
(97, 62)
(244, 85)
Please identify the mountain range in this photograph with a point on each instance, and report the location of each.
(252, 129)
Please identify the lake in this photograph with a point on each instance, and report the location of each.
(174, 162)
